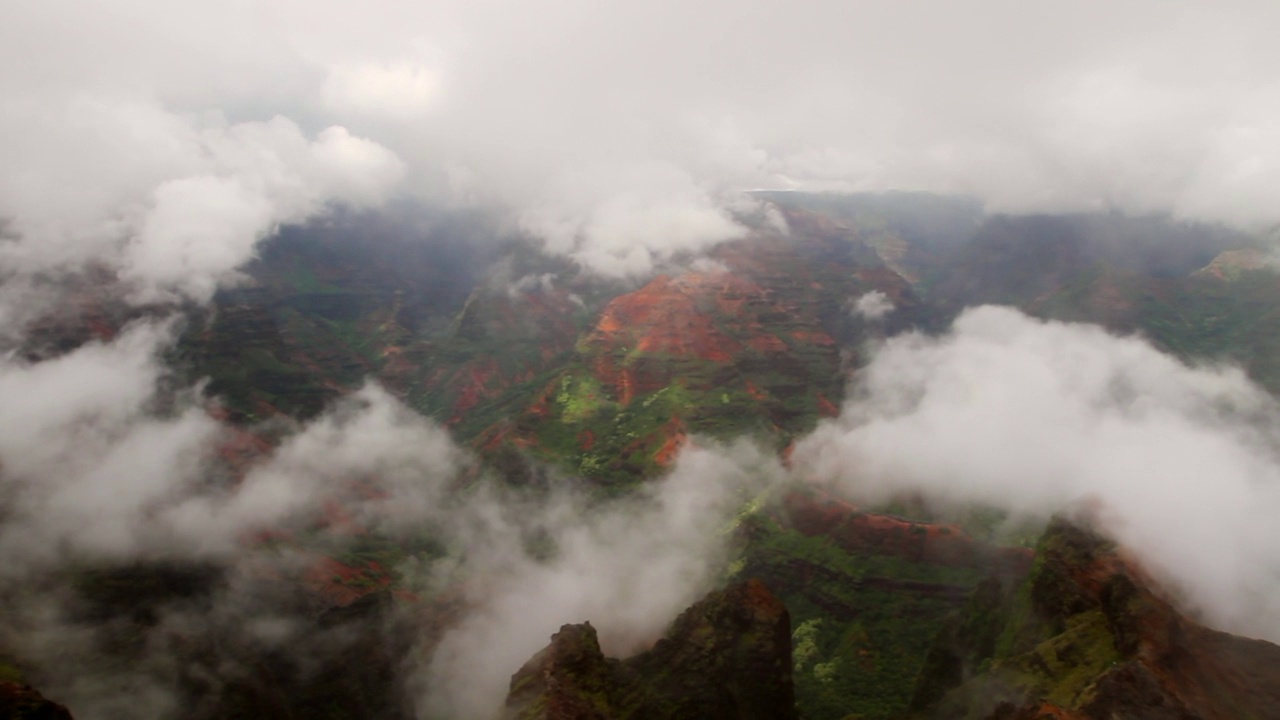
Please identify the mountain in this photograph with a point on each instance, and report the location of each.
(868, 593)
(538, 359)
(728, 656)
(1203, 293)
(1089, 635)
(548, 373)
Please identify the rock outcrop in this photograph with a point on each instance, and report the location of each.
(1089, 636)
(727, 657)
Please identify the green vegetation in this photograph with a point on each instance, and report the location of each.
(1046, 639)
(1208, 319)
(863, 623)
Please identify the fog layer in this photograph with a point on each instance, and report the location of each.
(1180, 463)
(618, 134)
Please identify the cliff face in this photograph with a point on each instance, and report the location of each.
(757, 345)
(571, 678)
(520, 353)
(726, 657)
(1089, 636)
(706, 353)
(868, 593)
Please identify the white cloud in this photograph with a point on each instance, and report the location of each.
(620, 132)
(628, 567)
(386, 465)
(624, 225)
(1035, 417)
(174, 203)
(199, 228)
(89, 470)
(83, 461)
(873, 305)
(400, 91)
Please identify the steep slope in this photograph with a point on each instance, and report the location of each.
(530, 357)
(501, 343)
(328, 304)
(1229, 317)
(728, 657)
(758, 345)
(704, 353)
(1024, 260)
(868, 594)
(1088, 635)
(909, 231)
(1204, 293)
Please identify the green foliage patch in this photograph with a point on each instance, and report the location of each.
(863, 623)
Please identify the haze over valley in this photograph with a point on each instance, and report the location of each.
(656, 360)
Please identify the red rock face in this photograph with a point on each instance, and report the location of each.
(475, 382)
(862, 532)
(675, 440)
(1165, 665)
(672, 317)
(669, 319)
(1172, 661)
(704, 317)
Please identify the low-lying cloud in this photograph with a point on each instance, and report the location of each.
(171, 204)
(621, 134)
(629, 567)
(871, 306)
(1036, 417)
(98, 465)
(102, 469)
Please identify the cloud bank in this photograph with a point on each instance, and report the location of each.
(1036, 417)
(621, 135)
(171, 204)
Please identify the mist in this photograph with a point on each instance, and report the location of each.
(1180, 463)
(616, 136)
(152, 147)
(106, 474)
(627, 566)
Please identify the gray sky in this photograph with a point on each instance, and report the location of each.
(618, 130)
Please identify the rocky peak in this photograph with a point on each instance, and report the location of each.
(570, 678)
(1090, 635)
(728, 656)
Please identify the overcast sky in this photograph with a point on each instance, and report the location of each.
(617, 130)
